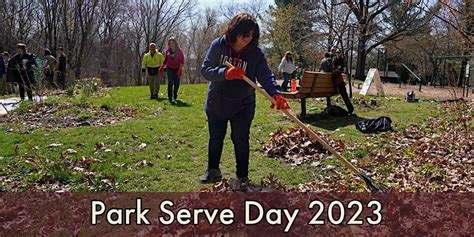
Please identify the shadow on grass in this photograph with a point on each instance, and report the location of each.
(331, 122)
(180, 103)
(160, 99)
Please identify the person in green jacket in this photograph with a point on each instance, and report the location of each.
(153, 66)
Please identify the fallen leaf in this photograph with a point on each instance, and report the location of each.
(55, 145)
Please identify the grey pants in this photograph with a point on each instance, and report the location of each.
(154, 82)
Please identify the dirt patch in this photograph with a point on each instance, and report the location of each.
(66, 115)
(427, 92)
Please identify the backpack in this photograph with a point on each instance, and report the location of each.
(380, 124)
(335, 110)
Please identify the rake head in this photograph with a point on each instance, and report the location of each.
(372, 186)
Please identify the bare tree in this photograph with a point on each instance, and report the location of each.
(159, 18)
(228, 9)
(202, 29)
(111, 19)
(333, 20)
(17, 22)
(458, 14)
(79, 27)
(379, 22)
(49, 20)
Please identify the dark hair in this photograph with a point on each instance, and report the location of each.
(288, 53)
(47, 52)
(243, 24)
(327, 55)
(61, 48)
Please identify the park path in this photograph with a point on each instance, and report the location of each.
(9, 104)
(427, 92)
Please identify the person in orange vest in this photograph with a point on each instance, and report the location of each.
(153, 65)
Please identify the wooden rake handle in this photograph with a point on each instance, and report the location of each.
(310, 132)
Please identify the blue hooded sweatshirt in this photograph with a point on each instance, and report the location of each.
(226, 97)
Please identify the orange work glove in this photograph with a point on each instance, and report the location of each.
(234, 73)
(180, 72)
(280, 102)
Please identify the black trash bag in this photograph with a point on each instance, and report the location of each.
(380, 124)
(335, 110)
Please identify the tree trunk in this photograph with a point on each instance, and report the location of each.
(361, 58)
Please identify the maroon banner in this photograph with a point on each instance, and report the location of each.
(242, 214)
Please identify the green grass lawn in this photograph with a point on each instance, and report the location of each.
(176, 136)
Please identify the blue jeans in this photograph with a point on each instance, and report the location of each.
(286, 80)
(240, 122)
(173, 83)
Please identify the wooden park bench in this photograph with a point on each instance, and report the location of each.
(313, 85)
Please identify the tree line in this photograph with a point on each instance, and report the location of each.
(107, 38)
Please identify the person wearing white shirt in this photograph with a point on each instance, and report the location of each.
(286, 67)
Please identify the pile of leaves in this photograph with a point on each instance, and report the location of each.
(50, 115)
(296, 147)
(434, 156)
(63, 173)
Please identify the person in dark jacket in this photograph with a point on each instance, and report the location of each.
(339, 67)
(326, 64)
(229, 97)
(3, 78)
(335, 66)
(22, 65)
(339, 63)
(61, 69)
(9, 77)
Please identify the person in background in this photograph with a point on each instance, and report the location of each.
(10, 89)
(174, 60)
(153, 64)
(3, 78)
(23, 65)
(326, 64)
(49, 67)
(333, 52)
(61, 69)
(339, 63)
(339, 67)
(286, 67)
(229, 97)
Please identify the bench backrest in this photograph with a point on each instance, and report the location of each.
(317, 84)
